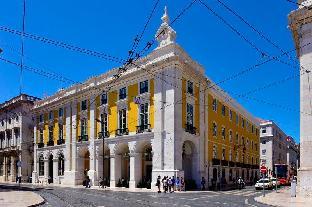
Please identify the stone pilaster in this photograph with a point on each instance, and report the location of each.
(135, 169)
(92, 172)
(35, 172)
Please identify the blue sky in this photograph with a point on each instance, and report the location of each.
(110, 27)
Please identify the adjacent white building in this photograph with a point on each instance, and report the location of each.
(16, 138)
(276, 147)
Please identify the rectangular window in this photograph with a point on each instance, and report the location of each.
(230, 135)
(122, 93)
(50, 115)
(41, 118)
(104, 122)
(223, 132)
(122, 119)
(252, 129)
(243, 122)
(144, 86)
(41, 136)
(214, 129)
(214, 104)
(215, 152)
(83, 105)
(223, 110)
(223, 154)
(263, 130)
(41, 166)
(190, 89)
(104, 99)
(189, 114)
(237, 141)
(144, 115)
(61, 132)
(263, 152)
(83, 127)
(50, 133)
(61, 112)
(230, 155)
(231, 115)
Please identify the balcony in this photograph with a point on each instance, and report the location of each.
(120, 132)
(83, 138)
(238, 164)
(224, 162)
(231, 164)
(50, 143)
(60, 141)
(143, 128)
(190, 128)
(103, 135)
(215, 161)
(40, 145)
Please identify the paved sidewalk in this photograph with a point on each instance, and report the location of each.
(13, 198)
(282, 198)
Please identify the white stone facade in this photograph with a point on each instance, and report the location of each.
(300, 22)
(16, 138)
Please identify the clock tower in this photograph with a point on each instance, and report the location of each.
(300, 23)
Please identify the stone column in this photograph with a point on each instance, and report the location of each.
(55, 171)
(35, 172)
(135, 169)
(115, 166)
(4, 168)
(92, 172)
(46, 170)
(13, 175)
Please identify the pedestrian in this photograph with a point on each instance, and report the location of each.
(158, 183)
(203, 183)
(163, 183)
(169, 182)
(178, 184)
(88, 182)
(182, 185)
(173, 183)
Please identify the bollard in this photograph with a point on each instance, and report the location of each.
(293, 186)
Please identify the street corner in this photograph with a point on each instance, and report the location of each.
(13, 198)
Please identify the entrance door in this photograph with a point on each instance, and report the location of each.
(50, 169)
(148, 172)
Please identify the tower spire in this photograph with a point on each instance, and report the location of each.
(165, 35)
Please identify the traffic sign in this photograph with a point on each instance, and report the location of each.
(263, 169)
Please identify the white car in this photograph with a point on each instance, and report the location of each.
(266, 183)
(275, 182)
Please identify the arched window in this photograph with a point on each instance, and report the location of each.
(61, 165)
(41, 166)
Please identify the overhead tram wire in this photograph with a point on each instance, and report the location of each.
(138, 38)
(261, 34)
(63, 45)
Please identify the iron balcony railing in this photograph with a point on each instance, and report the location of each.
(83, 138)
(40, 145)
(50, 143)
(60, 141)
(190, 128)
(122, 131)
(103, 134)
(143, 128)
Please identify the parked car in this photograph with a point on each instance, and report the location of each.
(275, 182)
(266, 183)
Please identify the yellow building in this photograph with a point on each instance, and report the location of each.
(155, 118)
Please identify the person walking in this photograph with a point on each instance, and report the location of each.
(173, 184)
(88, 182)
(178, 184)
(203, 183)
(182, 185)
(158, 183)
(169, 184)
(164, 182)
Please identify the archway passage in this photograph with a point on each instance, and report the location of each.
(86, 163)
(50, 178)
(147, 167)
(188, 164)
